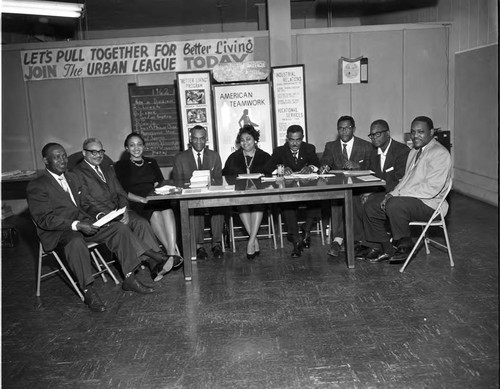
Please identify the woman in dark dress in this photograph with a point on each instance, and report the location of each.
(139, 176)
(248, 159)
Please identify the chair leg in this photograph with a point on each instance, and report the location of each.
(426, 242)
(415, 247)
(320, 224)
(445, 230)
(70, 279)
(39, 270)
(98, 266)
(231, 232)
(280, 230)
(105, 264)
(273, 228)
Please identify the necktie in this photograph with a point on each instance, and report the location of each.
(295, 159)
(99, 173)
(418, 156)
(66, 188)
(199, 162)
(344, 153)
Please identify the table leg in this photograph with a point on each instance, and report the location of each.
(349, 228)
(186, 239)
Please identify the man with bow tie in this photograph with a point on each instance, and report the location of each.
(298, 157)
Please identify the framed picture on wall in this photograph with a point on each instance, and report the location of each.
(289, 99)
(236, 105)
(195, 104)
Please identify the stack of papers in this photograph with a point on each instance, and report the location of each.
(166, 189)
(110, 216)
(303, 176)
(200, 179)
(369, 178)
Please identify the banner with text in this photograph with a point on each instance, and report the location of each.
(138, 58)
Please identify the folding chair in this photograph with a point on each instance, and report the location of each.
(436, 220)
(102, 267)
(269, 230)
(319, 229)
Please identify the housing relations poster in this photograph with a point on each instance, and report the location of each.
(239, 104)
(289, 99)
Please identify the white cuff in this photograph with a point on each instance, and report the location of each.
(73, 225)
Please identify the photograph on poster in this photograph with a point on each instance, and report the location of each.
(195, 102)
(236, 105)
(289, 100)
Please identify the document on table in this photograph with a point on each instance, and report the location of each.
(301, 175)
(353, 172)
(369, 178)
(250, 176)
(110, 216)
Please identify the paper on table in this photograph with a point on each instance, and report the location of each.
(110, 216)
(165, 189)
(357, 172)
(250, 176)
(369, 178)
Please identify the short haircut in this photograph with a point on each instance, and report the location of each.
(250, 130)
(294, 128)
(348, 118)
(88, 141)
(47, 147)
(380, 122)
(131, 135)
(424, 119)
(197, 127)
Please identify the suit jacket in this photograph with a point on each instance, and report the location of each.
(394, 166)
(283, 155)
(185, 164)
(235, 163)
(428, 179)
(360, 153)
(100, 196)
(52, 208)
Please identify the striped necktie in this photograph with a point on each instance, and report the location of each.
(100, 174)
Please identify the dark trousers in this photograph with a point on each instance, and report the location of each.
(117, 237)
(290, 212)
(399, 211)
(142, 230)
(216, 224)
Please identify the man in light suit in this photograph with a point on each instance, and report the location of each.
(388, 161)
(103, 194)
(348, 152)
(54, 201)
(415, 197)
(199, 157)
(298, 157)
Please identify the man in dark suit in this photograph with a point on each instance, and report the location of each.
(54, 201)
(103, 193)
(297, 156)
(346, 153)
(199, 157)
(388, 161)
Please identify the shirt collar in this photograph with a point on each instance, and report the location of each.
(58, 178)
(384, 153)
(92, 166)
(347, 143)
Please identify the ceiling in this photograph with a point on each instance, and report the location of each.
(138, 14)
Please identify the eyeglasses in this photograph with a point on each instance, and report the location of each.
(294, 140)
(376, 134)
(96, 153)
(347, 128)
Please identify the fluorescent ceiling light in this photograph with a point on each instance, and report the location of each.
(46, 8)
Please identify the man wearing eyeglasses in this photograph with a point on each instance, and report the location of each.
(388, 161)
(348, 152)
(298, 157)
(103, 194)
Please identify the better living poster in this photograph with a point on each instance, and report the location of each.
(239, 104)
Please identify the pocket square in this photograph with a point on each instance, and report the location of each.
(390, 169)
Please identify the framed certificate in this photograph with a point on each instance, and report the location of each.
(353, 70)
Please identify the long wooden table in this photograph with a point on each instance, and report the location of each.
(258, 192)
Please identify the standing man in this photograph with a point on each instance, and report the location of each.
(388, 161)
(346, 153)
(54, 201)
(415, 197)
(198, 157)
(298, 157)
(103, 194)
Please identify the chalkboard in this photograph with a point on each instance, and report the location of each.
(153, 111)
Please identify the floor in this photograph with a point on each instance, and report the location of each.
(274, 322)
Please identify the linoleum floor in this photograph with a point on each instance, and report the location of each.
(274, 322)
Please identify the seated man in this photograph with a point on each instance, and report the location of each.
(388, 161)
(198, 157)
(348, 152)
(103, 193)
(415, 197)
(54, 201)
(298, 157)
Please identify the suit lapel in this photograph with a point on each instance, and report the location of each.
(59, 189)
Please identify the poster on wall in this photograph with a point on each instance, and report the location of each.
(289, 99)
(239, 104)
(195, 104)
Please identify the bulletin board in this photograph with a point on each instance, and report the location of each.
(153, 111)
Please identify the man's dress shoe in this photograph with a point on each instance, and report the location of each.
(131, 284)
(361, 252)
(334, 250)
(400, 255)
(93, 301)
(217, 251)
(306, 240)
(201, 254)
(162, 268)
(297, 250)
(144, 277)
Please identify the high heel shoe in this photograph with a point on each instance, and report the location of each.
(251, 256)
(257, 253)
